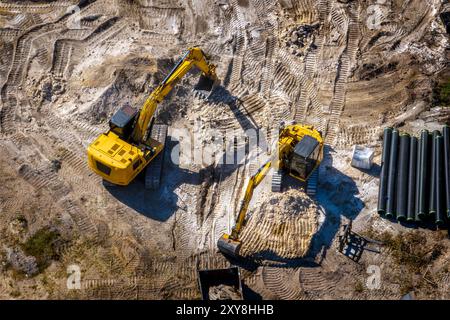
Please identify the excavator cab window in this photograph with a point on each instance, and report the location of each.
(122, 121)
(304, 157)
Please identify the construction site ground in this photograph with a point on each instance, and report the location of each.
(357, 67)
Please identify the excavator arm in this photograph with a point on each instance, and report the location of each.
(192, 57)
(229, 244)
(255, 180)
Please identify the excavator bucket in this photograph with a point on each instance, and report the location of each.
(229, 246)
(204, 85)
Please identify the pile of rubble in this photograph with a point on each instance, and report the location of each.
(300, 38)
(281, 226)
(224, 292)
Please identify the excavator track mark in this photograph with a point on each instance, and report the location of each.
(154, 170)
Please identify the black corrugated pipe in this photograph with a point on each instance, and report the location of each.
(428, 179)
(440, 203)
(446, 131)
(423, 187)
(402, 177)
(390, 203)
(419, 148)
(412, 179)
(432, 202)
(382, 191)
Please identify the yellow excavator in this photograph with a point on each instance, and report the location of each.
(134, 141)
(299, 153)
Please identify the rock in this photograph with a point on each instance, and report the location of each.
(294, 37)
(56, 165)
(224, 292)
(21, 262)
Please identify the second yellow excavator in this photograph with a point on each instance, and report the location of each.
(299, 153)
(133, 140)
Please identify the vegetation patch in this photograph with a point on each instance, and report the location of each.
(44, 246)
(412, 250)
(441, 94)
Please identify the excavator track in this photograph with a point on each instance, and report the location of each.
(154, 169)
(277, 180)
(313, 181)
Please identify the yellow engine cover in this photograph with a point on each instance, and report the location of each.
(118, 161)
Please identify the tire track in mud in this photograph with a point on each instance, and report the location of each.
(282, 282)
(44, 178)
(346, 62)
(169, 279)
(21, 56)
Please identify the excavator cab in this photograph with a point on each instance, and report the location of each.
(304, 158)
(122, 121)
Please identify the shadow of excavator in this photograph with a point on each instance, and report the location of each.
(161, 204)
(337, 195)
(221, 95)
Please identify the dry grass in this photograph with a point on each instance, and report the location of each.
(414, 250)
(43, 246)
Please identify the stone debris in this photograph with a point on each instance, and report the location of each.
(224, 292)
(21, 262)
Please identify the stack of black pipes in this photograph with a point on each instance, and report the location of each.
(415, 176)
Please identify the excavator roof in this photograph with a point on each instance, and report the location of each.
(123, 116)
(306, 146)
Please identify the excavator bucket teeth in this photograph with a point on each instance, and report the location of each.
(228, 246)
(204, 84)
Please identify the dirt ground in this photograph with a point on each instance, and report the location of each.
(350, 68)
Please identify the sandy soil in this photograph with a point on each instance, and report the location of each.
(63, 75)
